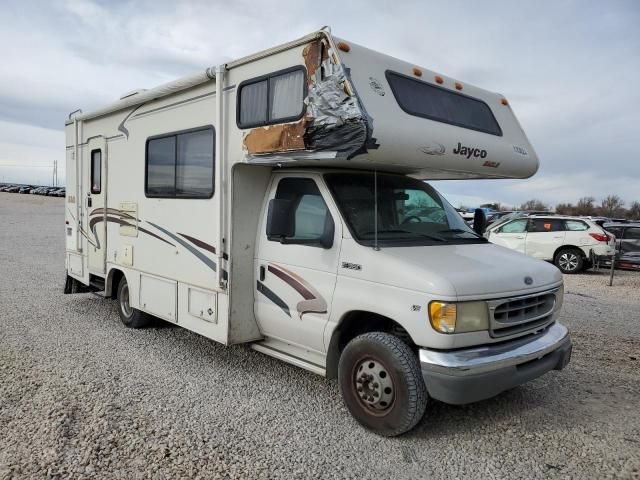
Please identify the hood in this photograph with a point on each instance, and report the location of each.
(465, 272)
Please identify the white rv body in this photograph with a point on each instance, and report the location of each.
(206, 263)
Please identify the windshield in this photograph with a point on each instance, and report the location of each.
(409, 212)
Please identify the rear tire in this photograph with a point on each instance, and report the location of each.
(381, 383)
(569, 260)
(131, 317)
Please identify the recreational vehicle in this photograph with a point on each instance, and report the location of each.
(280, 201)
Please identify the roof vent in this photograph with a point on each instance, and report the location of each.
(132, 93)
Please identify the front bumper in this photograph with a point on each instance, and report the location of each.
(477, 373)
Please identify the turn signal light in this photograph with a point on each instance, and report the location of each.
(343, 46)
(504, 101)
(438, 79)
(458, 86)
(443, 316)
(417, 72)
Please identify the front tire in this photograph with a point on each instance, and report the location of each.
(569, 260)
(381, 383)
(131, 317)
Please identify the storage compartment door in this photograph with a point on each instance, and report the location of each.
(158, 296)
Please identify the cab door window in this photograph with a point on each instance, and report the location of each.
(299, 215)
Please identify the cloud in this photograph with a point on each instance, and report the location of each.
(568, 68)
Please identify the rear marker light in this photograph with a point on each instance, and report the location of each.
(438, 79)
(417, 72)
(343, 46)
(599, 237)
(504, 101)
(458, 86)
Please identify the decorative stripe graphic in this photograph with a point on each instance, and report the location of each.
(82, 232)
(199, 243)
(207, 261)
(313, 302)
(203, 245)
(122, 218)
(124, 129)
(296, 285)
(262, 288)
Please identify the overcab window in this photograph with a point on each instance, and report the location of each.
(273, 98)
(180, 164)
(422, 99)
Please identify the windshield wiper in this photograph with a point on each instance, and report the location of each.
(397, 230)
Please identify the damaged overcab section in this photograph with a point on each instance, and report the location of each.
(334, 124)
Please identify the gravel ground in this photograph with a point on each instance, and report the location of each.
(81, 396)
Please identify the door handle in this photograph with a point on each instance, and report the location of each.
(520, 238)
(262, 273)
(89, 202)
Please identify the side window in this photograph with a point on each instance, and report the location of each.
(180, 165)
(515, 226)
(274, 98)
(96, 171)
(545, 225)
(632, 233)
(575, 226)
(616, 231)
(308, 218)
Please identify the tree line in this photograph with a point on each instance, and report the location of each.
(611, 206)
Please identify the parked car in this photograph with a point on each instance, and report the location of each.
(570, 243)
(25, 189)
(627, 245)
(13, 189)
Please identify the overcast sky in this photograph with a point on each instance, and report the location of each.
(570, 70)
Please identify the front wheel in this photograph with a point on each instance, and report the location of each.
(131, 317)
(569, 260)
(381, 383)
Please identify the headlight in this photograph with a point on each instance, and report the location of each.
(448, 317)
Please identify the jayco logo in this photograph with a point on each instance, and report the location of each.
(469, 152)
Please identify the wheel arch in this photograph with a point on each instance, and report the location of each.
(111, 282)
(357, 322)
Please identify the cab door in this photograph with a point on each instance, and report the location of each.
(94, 203)
(511, 235)
(296, 261)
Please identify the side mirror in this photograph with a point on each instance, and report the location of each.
(279, 224)
(479, 221)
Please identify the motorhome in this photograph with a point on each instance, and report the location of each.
(280, 201)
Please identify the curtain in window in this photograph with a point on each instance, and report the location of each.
(194, 165)
(253, 99)
(286, 95)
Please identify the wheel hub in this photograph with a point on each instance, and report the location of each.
(124, 301)
(373, 385)
(569, 261)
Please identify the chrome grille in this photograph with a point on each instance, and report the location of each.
(518, 314)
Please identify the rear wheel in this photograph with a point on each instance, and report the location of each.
(381, 383)
(131, 317)
(569, 260)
